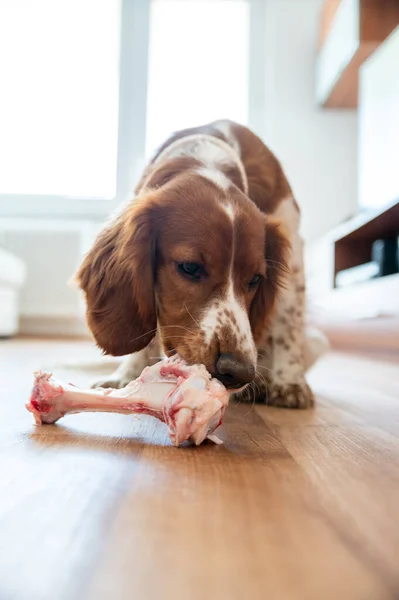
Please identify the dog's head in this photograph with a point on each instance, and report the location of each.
(200, 265)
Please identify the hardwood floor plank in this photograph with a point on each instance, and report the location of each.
(259, 524)
(356, 477)
(295, 505)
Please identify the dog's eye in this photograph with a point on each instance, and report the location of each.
(254, 281)
(191, 270)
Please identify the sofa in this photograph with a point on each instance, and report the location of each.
(12, 277)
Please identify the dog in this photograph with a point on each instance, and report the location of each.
(207, 262)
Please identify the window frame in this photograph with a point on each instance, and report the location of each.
(133, 71)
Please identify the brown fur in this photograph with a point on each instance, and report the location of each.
(229, 170)
(130, 278)
(276, 247)
(267, 183)
(117, 278)
(209, 129)
(155, 178)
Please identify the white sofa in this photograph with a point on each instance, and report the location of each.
(12, 277)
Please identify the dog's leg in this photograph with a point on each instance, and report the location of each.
(132, 366)
(287, 385)
(287, 358)
(282, 356)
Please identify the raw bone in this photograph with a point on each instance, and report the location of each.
(186, 398)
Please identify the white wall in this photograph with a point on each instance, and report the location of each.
(51, 233)
(318, 147)
(379, 126)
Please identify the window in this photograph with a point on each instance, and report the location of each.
(89, 87)
(198, 64)
(59, 78)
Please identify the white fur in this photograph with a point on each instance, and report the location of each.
(211, 151)
(209, 321)
(225, 128)
(216, 176)
(316, 345)
(215, 318)
(289, 357)
(288, 327)
(229, 210)
(243, 327)
(293, 349)
(288, 212)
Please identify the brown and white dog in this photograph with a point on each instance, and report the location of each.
(206, 261)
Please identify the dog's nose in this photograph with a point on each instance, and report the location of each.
(232, 372)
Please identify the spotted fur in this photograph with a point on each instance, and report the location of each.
(217, 196)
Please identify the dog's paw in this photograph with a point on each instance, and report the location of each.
(290, 395)
(113, 381)
(125, 374)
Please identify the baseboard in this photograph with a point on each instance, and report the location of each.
(50, 326)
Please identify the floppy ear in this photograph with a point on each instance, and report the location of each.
(117, 276)
(277, 248)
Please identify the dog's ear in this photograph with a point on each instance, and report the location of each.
(117, 277)
(277, 249)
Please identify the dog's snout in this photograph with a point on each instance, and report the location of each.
(234, 373)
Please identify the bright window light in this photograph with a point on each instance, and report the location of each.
(59, 79)
(198, 65)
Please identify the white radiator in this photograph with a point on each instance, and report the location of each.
(51, 251)
(12, 277)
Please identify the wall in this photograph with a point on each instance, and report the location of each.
(50, 233)
(318, 147)
(379, 126)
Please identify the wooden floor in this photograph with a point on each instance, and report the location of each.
(293, 505)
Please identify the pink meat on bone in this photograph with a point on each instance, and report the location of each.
(186, 398)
